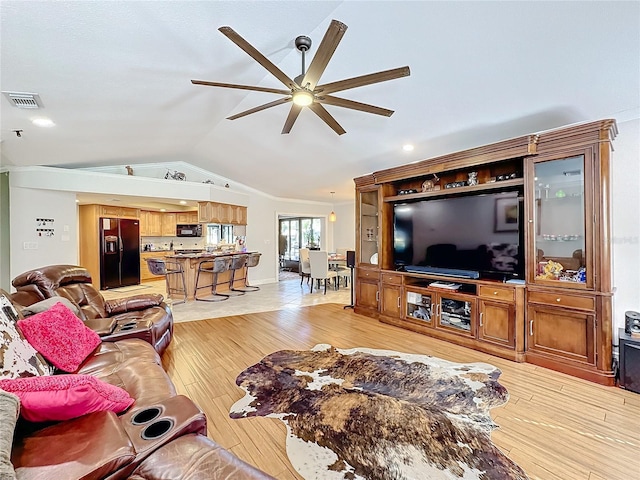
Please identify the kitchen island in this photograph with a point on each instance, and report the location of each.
(190, 263)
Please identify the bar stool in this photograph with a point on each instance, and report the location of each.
(238, 262)
(252, 260)
(161, 266)
(214, 267)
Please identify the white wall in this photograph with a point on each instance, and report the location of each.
(28, 249)
(344, 228)
(626, 221)
(45, 192)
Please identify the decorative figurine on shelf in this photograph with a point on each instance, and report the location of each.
(129, 170)
(430, 185)
(550, 271)
(473, 178)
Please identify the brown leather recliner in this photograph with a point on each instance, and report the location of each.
(140, 316)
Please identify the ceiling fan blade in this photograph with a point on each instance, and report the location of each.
(261, 107)
(326, 116)
(363, 107)
(291, 118)
(362, 80)
(325, 51)
(241, 87)
(257, 56)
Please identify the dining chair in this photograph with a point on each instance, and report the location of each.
(305, 268)
(319, 265)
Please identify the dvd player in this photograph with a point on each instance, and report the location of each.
(447, 272)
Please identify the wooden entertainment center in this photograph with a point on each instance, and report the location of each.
(558, 314)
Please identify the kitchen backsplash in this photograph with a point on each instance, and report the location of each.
(179, 243)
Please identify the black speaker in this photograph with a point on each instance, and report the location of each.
(631, 322)
(351, 258)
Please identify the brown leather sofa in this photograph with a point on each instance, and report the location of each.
(161, 436)
(140, 316)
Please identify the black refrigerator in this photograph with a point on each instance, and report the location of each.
(119, 252)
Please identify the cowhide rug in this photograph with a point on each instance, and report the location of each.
(377, 414)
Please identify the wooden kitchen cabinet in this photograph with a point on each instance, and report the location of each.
(144, 223)
(150, 224)
(189, 218)
(145, 273)
(223, 213)
(117, 212)
(168, 225)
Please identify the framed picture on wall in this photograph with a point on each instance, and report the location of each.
(506, 215)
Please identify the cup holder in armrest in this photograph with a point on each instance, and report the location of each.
(151, 426)
(157, 429)
(146, 415)
(124, 328)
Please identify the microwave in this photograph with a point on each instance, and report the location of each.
(194, 230)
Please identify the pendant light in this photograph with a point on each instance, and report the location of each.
(332, 215)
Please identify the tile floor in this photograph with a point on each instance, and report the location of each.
(271, 296)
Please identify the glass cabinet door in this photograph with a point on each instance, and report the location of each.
(456, 313)
(560, 233)
(419, 306)
(369, 227)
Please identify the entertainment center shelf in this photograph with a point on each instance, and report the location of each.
(502, 185)
(515, 209)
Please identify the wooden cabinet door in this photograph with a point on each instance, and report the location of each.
(129, 212)
(183, 217)
(188, 218)
(560, 332)
(238, 215)
(109, 211)
(367, 294)
(225, 213)
(204, 212)
(154, 229)
(496, 323)
(169, 225)
(391, 300)
(144, 224)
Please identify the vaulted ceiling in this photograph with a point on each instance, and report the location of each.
(115, 79)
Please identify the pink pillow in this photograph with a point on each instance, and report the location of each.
(60, 337)
(62, 397)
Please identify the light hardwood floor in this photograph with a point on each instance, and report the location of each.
(554, 426)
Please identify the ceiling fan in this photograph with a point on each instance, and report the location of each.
(303, 90)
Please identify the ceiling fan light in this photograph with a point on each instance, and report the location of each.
(302, 98)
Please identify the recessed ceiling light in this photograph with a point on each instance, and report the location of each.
(183, 202)
(43, 122)
(408, 147)
(163, 209)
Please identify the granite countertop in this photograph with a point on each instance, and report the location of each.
(206, 254)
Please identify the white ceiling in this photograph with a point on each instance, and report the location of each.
(115, 78)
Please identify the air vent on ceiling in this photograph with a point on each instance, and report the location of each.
(24, 100)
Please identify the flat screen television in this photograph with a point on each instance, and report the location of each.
(478, 233)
